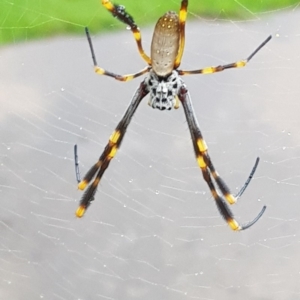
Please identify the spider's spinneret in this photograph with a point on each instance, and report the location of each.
(163, 90)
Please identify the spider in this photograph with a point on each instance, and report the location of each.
(167, 90)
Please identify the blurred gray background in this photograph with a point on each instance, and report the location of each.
(153, 231)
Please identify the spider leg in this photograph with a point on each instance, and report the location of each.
(77, 172)
(220, 182)
(118, 11)
(101, 71)
(238, 64)
(242, 190)
(200, 146)
(224, 209)
(208, 169)
(109, 152)
(182, 19)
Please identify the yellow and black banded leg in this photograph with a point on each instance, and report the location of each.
(207, 168)
(201, 151)
(109, 152)
(231, 199)
(119, 12)
(222, 206)
(204, 164)
(238, 64)
(101, 71)
(182, 19)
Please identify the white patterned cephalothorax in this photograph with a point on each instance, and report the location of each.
(163, 91)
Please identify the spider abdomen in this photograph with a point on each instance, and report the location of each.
(165, 44)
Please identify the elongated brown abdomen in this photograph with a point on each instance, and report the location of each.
(165, 44)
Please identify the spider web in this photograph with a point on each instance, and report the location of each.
(153, 231)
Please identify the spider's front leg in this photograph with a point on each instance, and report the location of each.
(119, 12)
(208, 169)
(109, 152)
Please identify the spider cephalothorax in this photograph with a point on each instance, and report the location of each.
(166, 91)
(163, 90)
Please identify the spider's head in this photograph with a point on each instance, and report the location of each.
(163, 90)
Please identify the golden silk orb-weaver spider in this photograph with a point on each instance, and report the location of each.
(167, 90)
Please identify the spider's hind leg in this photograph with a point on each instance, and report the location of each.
(208, 171)
(224, 209)
(223, 186)
(97, 170)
